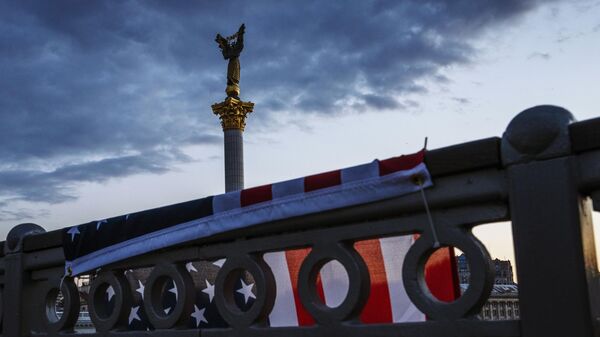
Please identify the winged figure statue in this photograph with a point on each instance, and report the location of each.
(231, 47)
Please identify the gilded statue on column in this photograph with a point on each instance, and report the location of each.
(232, 111)
(231, 47)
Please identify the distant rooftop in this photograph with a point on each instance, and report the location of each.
(499, 290)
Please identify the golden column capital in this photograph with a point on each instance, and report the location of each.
(232, 113)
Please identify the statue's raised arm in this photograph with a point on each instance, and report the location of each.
(239, 43)
(222, 43)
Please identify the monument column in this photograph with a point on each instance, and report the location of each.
(233, 111)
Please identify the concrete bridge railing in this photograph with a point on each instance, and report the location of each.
(543, 175)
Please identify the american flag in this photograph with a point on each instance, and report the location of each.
(92, 245)
(97, 243)
(388, 301)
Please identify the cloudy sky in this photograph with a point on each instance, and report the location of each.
(105, 106)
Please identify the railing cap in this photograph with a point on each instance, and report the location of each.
(14, 239)
(537, 133)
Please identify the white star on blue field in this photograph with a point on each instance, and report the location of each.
(205, 312)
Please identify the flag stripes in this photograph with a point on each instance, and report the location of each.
(284, 309)
(387, 302)
(393, 251)
(322, 180)
(378, 308)
(294, 260)
(89, 246)
(255, 195)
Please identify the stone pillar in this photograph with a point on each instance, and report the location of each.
(232, 113)
(234, 160)
(550, 220)
(15, 319)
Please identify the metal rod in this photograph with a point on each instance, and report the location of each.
(436, 241)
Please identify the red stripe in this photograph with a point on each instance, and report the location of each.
(378, 308)
(255, 195)
(294, 260)
(322, 180)
(441, 275)
(401, 163)
(455, 280)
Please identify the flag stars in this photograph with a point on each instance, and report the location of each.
(100, 223)
(140, 289)
(133, 314)
(198, 314)
(209, 290)
(190, 267)
(73, 231)
(219, 263)
(174, 290)
(246, 290)
(110, 292)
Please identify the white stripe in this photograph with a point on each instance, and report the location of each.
(226, 202)
(360, 172)
(335, 283)
(394, 250)
(344, 195)
(286, 188)
(284, 309)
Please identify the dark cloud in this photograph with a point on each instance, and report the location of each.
(56, 185)
(22, 214)
(91, 90)
(461, 100)
(380, 102)
(539, 55)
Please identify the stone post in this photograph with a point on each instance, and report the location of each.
(14, 318)
(550, 219)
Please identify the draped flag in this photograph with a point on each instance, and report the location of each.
(92, 245)
(388, 302)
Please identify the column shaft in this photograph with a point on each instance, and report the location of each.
(234, 160)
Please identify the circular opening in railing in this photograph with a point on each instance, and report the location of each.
(440, 272)
(240, 290)
(165, 295)
(333, 283)
(54, 305)
(104, 300)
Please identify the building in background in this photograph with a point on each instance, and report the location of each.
(503, 303)
(464, 272)
(503, 268)
(504, 272)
